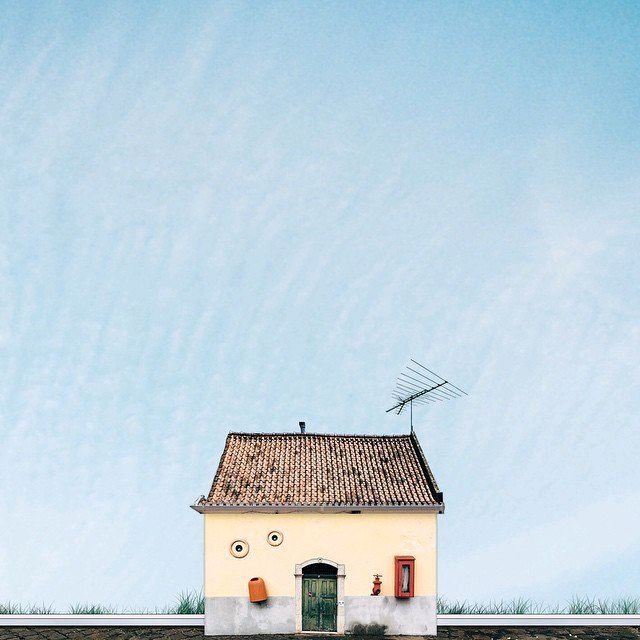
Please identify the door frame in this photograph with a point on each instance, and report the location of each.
(340, 575)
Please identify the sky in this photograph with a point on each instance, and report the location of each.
(235, 216)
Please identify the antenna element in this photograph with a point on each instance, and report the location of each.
(414, 385)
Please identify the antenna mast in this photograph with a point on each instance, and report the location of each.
(414, 385)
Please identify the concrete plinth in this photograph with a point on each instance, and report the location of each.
(228, 616)
(411, 616)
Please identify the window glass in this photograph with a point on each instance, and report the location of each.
(239, 548)
(405, 578)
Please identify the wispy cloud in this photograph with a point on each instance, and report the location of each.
(239, 217)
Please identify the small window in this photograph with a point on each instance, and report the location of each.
(239, 548)
(405, 578)
(275, 538)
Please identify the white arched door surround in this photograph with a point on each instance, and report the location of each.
(340, 575)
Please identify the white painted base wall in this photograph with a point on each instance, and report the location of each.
(233, 616)
(402, 617)
(237, 616)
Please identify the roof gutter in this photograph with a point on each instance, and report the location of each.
(352, 508)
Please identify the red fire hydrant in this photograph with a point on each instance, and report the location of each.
(377, 585)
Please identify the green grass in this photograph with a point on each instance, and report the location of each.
(578, 605)
(516, 606)
(187, 602)
(599, 606)
(14, 608)
(91, 609)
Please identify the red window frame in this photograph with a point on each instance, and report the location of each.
(400, 562)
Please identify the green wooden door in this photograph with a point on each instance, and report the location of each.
(319, 604)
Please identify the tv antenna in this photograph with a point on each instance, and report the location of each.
(422, 386)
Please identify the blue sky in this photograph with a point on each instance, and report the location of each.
(229, 216)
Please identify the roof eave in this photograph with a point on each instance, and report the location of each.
(261, 508)
(430, 478)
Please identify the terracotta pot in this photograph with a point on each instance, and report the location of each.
(257, 590)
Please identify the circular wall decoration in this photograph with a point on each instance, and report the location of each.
(275, 538)
(239, 548)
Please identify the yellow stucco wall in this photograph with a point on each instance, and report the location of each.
(365, 543)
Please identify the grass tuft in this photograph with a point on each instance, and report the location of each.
(581, 605)
(188, 602)
(90, 609)
(578, 605)
(517, 606)
(13, 608)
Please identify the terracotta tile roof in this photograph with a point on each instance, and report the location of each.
(291, 469)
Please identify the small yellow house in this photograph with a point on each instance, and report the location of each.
(312, 532)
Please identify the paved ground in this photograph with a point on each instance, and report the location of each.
(444, 633)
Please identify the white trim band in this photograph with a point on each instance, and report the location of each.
(102, 620)
(444, 620)
(538, 620)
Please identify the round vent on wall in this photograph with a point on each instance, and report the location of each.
(275, 538)
(239, 548)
